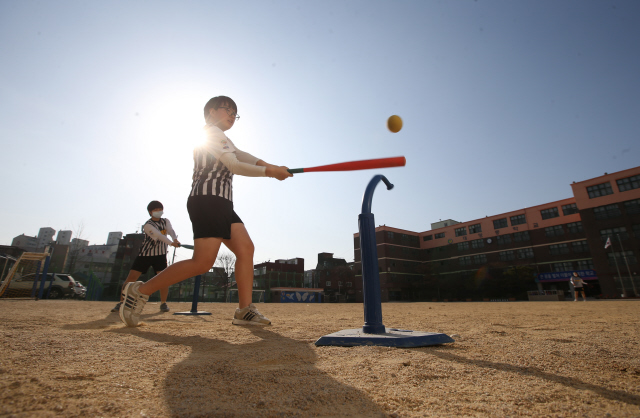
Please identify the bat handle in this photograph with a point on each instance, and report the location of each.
(295, 170)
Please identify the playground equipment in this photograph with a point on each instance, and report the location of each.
(374, 332)
(194, 304)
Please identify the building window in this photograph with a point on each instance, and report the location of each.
(549, 213)
(389, 234)
(629, 183)
(480, 259)
(554, 231)
(503, 239)
(525, 253)
(607, 212)
(567, 266)
(575, 227)
(614, 233)
(580, 247)
(518, 220)
(477, 243)
(558, 249)
(464, 261)
(427, 238)
(632, 207)
(636, 230)
(507, 256)
(461, 231)
(585, 265)
(500, 223)
(569, 209)
(521, 236)
(440, 235)
(328, 284)
(349, 284)
(620, 258)
(598, 190)
(463, 246)
(475, 229)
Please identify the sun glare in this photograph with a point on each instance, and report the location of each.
(176, 124)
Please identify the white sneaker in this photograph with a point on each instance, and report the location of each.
(133, 304)
(250, 316)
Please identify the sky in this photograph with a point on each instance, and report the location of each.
(504, 104)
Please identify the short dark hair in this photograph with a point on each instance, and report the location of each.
(216, 102)
(154, 204)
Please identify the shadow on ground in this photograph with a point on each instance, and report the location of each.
(616, 395)
(270, 376)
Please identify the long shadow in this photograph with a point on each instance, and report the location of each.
(269, 376)
(113, 318)
(616, 395)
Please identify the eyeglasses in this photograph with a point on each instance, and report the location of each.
(230, 112)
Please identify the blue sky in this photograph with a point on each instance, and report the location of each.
(504, 105)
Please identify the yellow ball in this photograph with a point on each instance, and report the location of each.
(394, 123)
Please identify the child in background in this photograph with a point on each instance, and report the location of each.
(153, 252)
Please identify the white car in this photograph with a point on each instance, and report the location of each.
(61, 285)
(79, 291)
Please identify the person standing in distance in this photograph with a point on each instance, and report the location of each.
(214, 220)
(153, 252)
(578, 286)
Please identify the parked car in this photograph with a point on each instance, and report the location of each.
(79, 291)
(62, 285)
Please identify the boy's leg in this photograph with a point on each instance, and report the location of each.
(242, 246)
(131, 277)
(204, 256)
(164, 294)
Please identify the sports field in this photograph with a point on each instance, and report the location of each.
(75, 358)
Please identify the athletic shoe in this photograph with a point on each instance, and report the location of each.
(133, 304)
(117, 307)
(250, 316)
(164, 308)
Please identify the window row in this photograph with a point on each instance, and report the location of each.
(604, 189)
(569, 266)
(631, 207)
(576, 247)
(622, 257)
(404, 238)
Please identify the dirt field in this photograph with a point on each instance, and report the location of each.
(75, 358)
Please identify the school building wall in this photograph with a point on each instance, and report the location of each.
(501, 255)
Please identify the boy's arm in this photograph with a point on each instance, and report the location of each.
(275, 171)
(170, 230)
(155, 235)
(245, 157)
(270, 170)
(230, 160)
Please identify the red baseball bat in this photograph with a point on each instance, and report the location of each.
(355, 165)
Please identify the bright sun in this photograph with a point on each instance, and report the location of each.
(176, 124)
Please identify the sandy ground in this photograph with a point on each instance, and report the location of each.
(75, 358)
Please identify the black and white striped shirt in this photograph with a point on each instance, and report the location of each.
(155, 237)
(212, 175)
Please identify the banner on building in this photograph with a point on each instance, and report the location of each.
(564, 276)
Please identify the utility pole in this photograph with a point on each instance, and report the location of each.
(635, 292)
(615, 259)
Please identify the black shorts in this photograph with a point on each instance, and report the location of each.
(211, 216)
(578, 289)
(143, 262)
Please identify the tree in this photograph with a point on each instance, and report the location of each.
(74, 250)
(227, 261)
